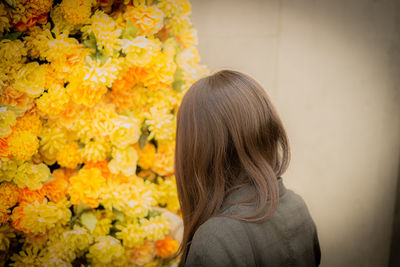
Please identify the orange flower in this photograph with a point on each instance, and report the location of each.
(56, 190)
(4, 148)
(101, 165)
(4, 216)
(166, 247)
(11, 96)
(9, 195)
(30, 196)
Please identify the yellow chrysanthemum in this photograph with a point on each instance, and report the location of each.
(9, 195)
(36, 41)
(85, 187)
(22, 144)
(54, 101)
(12, 97)
(160, 73)
(123, 161)
(106, 251)
(161, 124)
(30, 122)
(136, 231)
(4, 20)
(149, 19)
(28, 256)
(31, 175)
(146, 156)
(102, 119)
(167, 194)
(175, 7)
(96, 150)
(164, 158)
(8, 169)
(69, 156)
(6, 233)
(7, 120)
(52, 140)
(126, 132)
(76, 11)
(188, 38)
(134, 198)
(30, 79)
(63, 25)
(142, 255)
(40, 217)
(26, 14)
(140, 50)
(105, 30)
(179, 24)
(12, 52)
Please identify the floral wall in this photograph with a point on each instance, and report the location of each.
(89, 96)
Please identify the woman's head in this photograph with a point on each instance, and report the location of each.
(228, 134)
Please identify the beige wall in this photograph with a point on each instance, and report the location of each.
(332, 69)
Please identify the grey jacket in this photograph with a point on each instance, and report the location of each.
(288, 238)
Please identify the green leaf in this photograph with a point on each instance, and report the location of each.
(178, 80)
(153, 213)
(130, 30)
(11, 36)
(89, 220)
(91, 41)
(142, 140)
(101, 57)
(120, 215)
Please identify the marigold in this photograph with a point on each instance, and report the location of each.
(123, 161)
(149, 19)
(126, 132)
(4, 216)
(166, 247)
(29, 122)
(7, 120)
(146, 156)
(161, 124)
(22, 144)
(54, 101)
(52, 140)
(9, 195)
(12, 52)
(96, 150)
(167, 194)
(8, 169)
(107, 251)
(31, 175)
(69, 156)
(31, 196)
(85, 187)
(30, 79)
(175, 7)
(76, 11)
(56, 190)
(140, 50)
(12, 97)
(38, 217)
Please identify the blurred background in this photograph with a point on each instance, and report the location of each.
(332, 68)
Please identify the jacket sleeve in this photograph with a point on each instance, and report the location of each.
(220, 242)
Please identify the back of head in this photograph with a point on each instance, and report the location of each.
(228, 134)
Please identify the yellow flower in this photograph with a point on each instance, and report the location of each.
(63, 25)
(29, 122)
(105, 30)
(40, 217)
(167, 194)
(76, 11)
(96, 150)
(9, 196)
(8, 169)
(140, 50)
(4, 216)
(175, 7)
(7, 120)
(188, 38)
(179, 24)
(149, 19)
(22, 144)
(160, 73)
(30, 79)
(124, 161)
(12, 52)
(56, 189)
(6, 233)
(28, 256)
(126, 132)
(107, 251)
(31, 175)
(161, 124)
(12, 97)
(134, 198)
(85, 187)
(54, 101)
(69, 156)
(52, 140)
(4, 21)
(146, 156)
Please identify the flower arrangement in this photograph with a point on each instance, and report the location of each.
(89, 95)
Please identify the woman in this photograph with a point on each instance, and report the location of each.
(231, 150)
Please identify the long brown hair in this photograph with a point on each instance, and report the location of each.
(228, 135)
